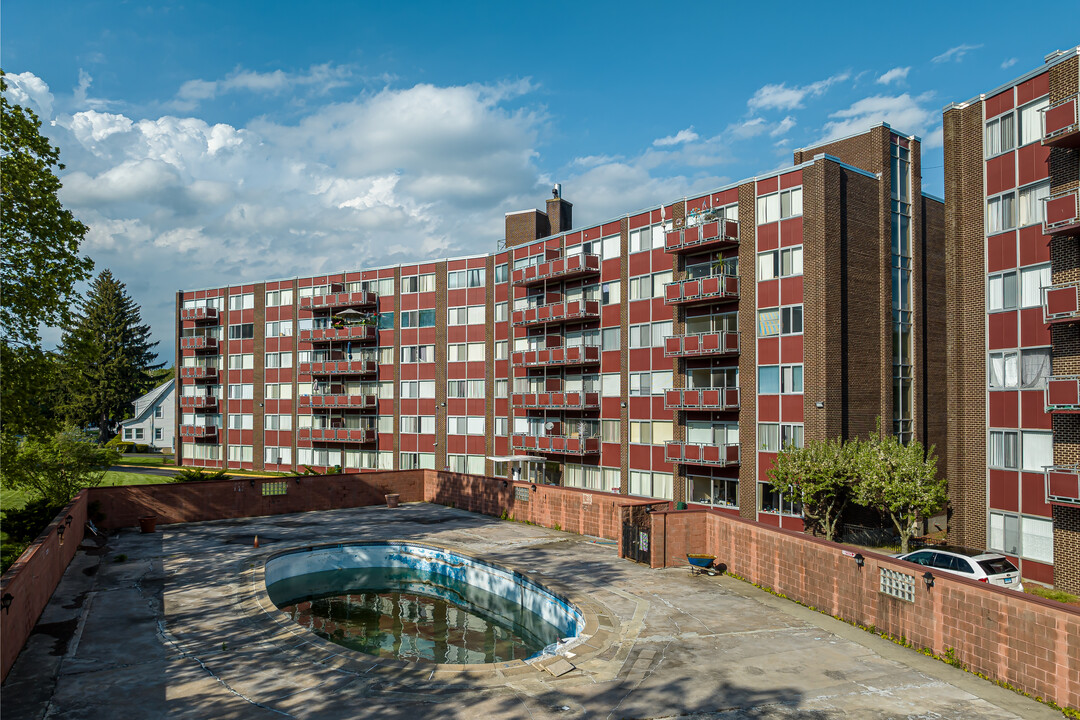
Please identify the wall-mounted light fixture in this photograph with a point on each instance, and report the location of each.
(623, 405)
(60, 532)
(928, 578)
(859, 559)
(5, 602)
(819, 404)
(68, 520)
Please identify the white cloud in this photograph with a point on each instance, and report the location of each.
(683, 136)
(1009, 63)
(31, 92)
(897, 73)
(319, 78)
(783, 126)
(903, 113)
(782, 97)
(955, 53)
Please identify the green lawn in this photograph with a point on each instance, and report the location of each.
(153, 460)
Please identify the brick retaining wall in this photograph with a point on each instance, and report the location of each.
(1014, 637)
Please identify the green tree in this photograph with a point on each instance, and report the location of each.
(107, 356)
(901, 481)
(55, 467)
(820, 475)
(39, 262)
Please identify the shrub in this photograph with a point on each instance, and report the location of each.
(190, 474)
(26, 523)
(141, 448)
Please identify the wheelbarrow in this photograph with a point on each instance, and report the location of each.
(702, 564)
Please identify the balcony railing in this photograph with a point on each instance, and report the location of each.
(1061, 303)
(1061, 124)
(564, 268)
(715, 399)
(557, 400)
(556, 444)
(1062, 213)
(1063, 484)
(200, 314)
(341, 400)
(722, 342)
(708, 235)
(699, 454)
(199, 432)
(351, 435)
(335, 301)
(563, 312)
(198, 343)
(352, 333)
(560, 356)
(340, 367)
(199, 373)
(198, 402)
(1063, 394)
(699, 290)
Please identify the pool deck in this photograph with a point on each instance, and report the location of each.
(174, 629)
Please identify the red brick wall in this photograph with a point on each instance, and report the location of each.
(221, 499)
(34, 576)
(1009, 636)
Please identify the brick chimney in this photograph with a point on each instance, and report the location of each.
(525, 226)
(560, 212)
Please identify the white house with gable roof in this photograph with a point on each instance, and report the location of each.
(154, 423)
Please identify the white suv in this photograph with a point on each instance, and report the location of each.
(981, 565)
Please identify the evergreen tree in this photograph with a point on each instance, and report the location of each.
(107, 356)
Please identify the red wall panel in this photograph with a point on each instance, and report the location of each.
(1001, 252)
(1004, 411)
(1000, 173)
(1034, 246)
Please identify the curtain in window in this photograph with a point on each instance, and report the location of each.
(1034, 368)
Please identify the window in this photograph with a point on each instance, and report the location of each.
(1000, 135)
(277, 422)
(241, 392)
(713, 491)
(472, 315)
(244, 331)
(1030, 122)
(1037, 450)
(159, 412)
(774, 437)
(646, 238)
(241, 422)
(1004, 369)
(464, 426)
(641, 432)
(611, 246)
(610, 293)
(780, 263)
(1001, 213)
(282, 328)
(641, 287)
(1032, 203)
(771, 500)
(1003, 449)
(417, 318)
(417, 388)
(641, 383)
(1026, 536)
(502, 273)
(386, 321)
(417, 353)
(1002, 291)
(465, 388)
(279, 297)
(502, 388)
(611, 431)
(278, 391)
(776, 206)
(465, 278)
(502, 427)
(1034, 368)
(502, 349)
(158, 434)
(278, 360)
(241, 362)
(382, 287)
(277, 455)
(784, 321)
(240, 453)
(502, 312)
(242, 302)
(657, 485)
(418, 283)
(465, 352)
(611, 339)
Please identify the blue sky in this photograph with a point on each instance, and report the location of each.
(213, 143)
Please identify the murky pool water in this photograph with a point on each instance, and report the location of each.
(399, 613)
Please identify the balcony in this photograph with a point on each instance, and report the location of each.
(199, 343)
(350, 435)
(710, 235)
(722, 342)
(715, 399)
(563, 268)
(1063, 485)
(199, 373)
(340, 367)
(1062, 213)
(338, 301)
(340, 400)
(200, 314)
(715, 288)
(573, 311)
(557, 400)
(1061, 303)
(559, 356)
(1060, 123)
(556, 444)
(351, 333)
(198, 402)
(199, 432)
(699, 454)
(1063, 394)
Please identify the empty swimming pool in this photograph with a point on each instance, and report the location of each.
(418, 602)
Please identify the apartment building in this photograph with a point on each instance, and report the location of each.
(1011, 172)
(669, 352)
